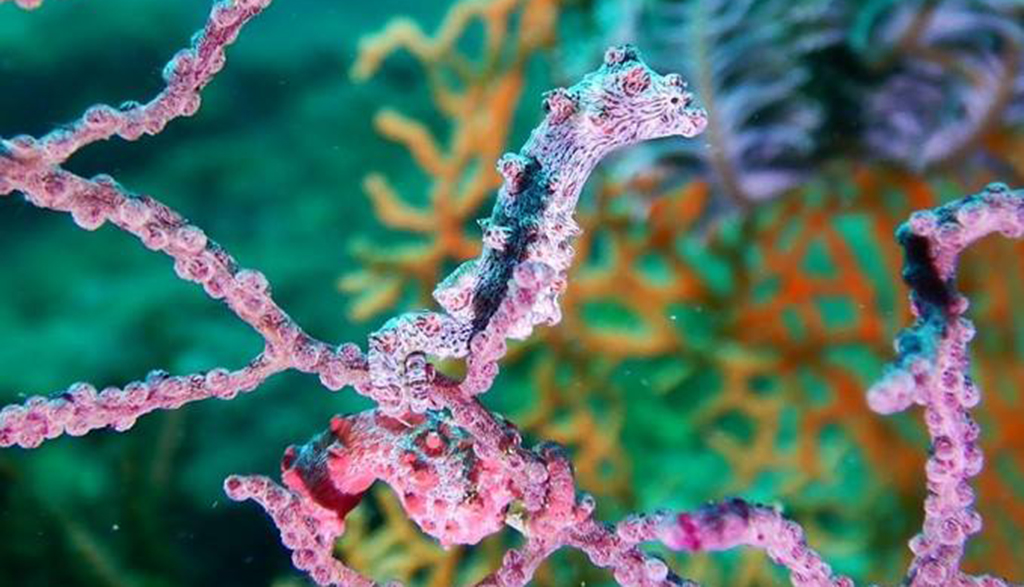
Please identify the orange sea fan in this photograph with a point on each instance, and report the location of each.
(478, 96)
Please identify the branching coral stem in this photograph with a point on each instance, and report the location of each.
(461, 472)
(31, 166)
(25, 4)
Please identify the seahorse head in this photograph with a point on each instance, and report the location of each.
(626, 102)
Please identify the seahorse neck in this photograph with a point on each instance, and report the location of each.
(565, 159)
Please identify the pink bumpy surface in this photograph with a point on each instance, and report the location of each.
(460, 471)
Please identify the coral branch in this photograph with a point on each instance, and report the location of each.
(515, 283)
(25, 4)
(81, 409)
(479, 96)
(736, 523)
(186, 75)
(933, 370)
(519, 566)
(306, 529)
(461, 472)
(246, 292)
(30, 166)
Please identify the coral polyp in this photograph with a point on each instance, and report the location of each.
(461, 472)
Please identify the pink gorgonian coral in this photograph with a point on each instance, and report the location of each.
(26, 4)
(460, 471)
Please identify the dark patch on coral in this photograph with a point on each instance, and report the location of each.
(920, 275)
(521, 218)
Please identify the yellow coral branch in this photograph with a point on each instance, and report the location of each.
(416, 138)
(392, 209)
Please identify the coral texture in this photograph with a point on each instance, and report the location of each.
(26, 4)
(460, 471)
(748, 339)
(479, 95)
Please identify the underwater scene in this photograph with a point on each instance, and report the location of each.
(559, 293)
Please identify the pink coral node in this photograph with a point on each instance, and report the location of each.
(460, 471)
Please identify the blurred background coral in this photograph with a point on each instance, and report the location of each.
(734, 296)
